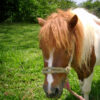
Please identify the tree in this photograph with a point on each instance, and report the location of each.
(92, 6)
(29, 10)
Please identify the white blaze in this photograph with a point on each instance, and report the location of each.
(49, 76)
(86, 86)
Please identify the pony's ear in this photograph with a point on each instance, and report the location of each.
(73, 21)
(41, 21)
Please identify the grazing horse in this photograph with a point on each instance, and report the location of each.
(72, 38)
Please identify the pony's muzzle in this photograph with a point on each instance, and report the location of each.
(53, 93)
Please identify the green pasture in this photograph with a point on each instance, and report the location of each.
(21, 63)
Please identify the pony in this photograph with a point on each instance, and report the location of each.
(72, 38)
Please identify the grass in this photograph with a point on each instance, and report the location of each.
(21, 64)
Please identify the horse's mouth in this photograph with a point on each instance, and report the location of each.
(58, 93)
(55, 96)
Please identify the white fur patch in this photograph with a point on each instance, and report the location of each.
(49, 76)
(86, 88)
(97, 44)
(81, 85)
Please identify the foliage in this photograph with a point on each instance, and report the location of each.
(96, 8)
(65, 4)
(92, 6)
(29, 10)
(7, 7)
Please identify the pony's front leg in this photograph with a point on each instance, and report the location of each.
(86, 86)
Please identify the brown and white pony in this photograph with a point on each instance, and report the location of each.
(64, 35)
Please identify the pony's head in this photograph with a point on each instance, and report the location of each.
(60, 39)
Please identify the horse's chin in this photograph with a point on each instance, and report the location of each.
(60, 92)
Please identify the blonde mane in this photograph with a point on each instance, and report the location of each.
(56, 33)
